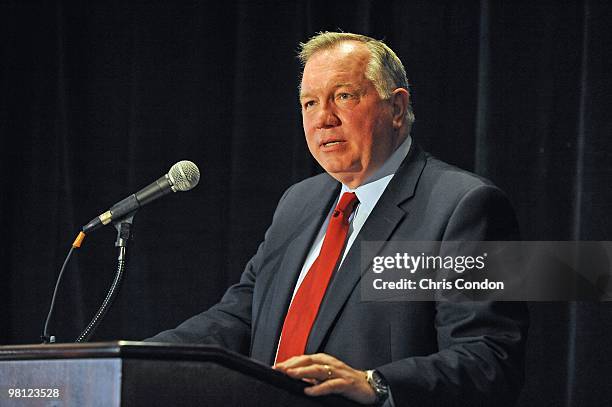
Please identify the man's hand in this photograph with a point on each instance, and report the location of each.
(329, 376)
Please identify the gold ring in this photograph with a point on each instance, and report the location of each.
(329, 372)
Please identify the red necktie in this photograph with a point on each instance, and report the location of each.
(305, 304)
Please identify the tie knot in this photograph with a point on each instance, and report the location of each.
(347, 203)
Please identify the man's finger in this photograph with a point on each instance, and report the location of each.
(296, 361)
(305, 360)
(332, 386)
(319, 372)
(322, 358)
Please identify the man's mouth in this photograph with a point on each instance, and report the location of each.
(330, 142)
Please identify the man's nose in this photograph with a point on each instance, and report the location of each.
(326, 117)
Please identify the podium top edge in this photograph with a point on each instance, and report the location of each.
(117, 349)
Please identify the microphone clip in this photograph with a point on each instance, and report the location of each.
(124, 229)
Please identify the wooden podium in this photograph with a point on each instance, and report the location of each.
(122, 373)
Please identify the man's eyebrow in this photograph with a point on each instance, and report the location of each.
(336, 86)
(305, 95)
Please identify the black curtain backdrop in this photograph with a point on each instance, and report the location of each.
(99, 100)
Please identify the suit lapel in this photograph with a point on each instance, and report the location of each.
(379, 226)
(272, 316)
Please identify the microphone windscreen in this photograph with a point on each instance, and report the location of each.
(184, 175)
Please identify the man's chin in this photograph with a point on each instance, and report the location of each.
(348, 178)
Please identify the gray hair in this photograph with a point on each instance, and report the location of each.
(384, 69)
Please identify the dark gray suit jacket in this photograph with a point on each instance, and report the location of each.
(445, 353)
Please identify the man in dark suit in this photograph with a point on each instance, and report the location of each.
(298, 304)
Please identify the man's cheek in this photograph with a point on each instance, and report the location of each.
(311, 144)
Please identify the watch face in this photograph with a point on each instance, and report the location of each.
(378, 378)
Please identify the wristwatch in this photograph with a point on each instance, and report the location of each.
(379, 385)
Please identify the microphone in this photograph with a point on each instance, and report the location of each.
(182, 176)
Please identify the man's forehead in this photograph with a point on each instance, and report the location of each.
(342, 65)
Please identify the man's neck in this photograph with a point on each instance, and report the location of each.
(389, 167)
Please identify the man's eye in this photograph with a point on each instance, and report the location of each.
(344, 96)
(309, 104)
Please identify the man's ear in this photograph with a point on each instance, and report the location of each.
(400, 98)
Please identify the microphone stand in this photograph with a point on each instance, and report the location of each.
(124, 234)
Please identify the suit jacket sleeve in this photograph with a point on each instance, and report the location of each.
(481, 344)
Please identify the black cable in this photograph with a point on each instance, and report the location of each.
(45, 336)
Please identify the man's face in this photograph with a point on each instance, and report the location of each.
(349, 128)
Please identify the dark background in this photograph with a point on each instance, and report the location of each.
(97, 101)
